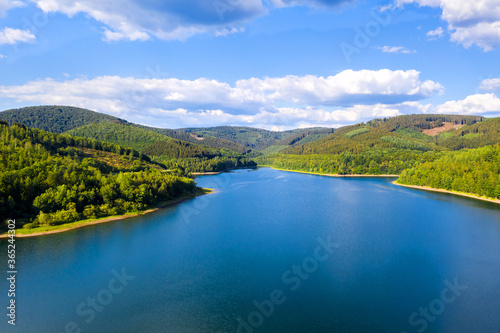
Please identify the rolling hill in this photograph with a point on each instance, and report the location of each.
(55, 118)
(398, 132)
(260, 139)
(448, 152)
(48, 179)
(60, 119)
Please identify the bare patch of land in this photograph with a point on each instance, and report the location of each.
(445, 128)
(199, 138)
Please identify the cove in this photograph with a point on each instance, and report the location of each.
(271, 251)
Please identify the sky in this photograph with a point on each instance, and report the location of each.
(274, 64)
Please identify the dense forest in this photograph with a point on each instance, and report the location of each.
(373, 162)
(397, 132)
(259, 139)
(399, 145)
(97, 153)
(50, 179)
(199, 139)
(172, 153)
(470, 171)
(54, 118)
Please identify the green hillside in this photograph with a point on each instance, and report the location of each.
(475, 171)
(255, 138)
(49, 179)
(54, 118)
(59, 119)
(400, 145)
(397, 132)
(170, 152)
(477, 135)
(120, 134)
(200, 139)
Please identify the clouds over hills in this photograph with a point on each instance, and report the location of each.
(286, 102)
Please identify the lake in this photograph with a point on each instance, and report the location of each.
(271, 251)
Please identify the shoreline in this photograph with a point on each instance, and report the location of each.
(432, 189)
(335, 175)
(82, 224)
(425, 188)
(195, 174)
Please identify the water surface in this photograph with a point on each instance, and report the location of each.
(216, 263)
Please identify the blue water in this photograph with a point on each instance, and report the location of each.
(271, 251)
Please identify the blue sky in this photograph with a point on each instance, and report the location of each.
(276, 64)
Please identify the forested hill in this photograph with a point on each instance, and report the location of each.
(257, 138)
(60, 119)
(54, 118)
(163, 149)
(408, 131)
(49, 179)
(457, 153)
(200, 139)
(474, 171)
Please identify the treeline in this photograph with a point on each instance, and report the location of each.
(475, 171)
(373, 162)
(421, 122)
(216, 164)
(45, 180)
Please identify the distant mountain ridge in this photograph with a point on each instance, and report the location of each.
(257, 138)
(77, 121)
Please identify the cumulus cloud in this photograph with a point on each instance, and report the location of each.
(346, 88)
(279, 103)
(482, 104)
(5, 5)
(491, 84)
(13, 36)
(435, 34)
(286, 101)
(395, 49)
(469, 21)
(140, 20)
(279, 119)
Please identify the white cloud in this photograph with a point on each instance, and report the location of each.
(469, 21)
(2, 56)
(13, 36)
(479, 104)
(491, 84)
(279, 119)
(141, 20)
(346, 88)
(435, 34)
(395, 49)
(5, 5)
(287, 101)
